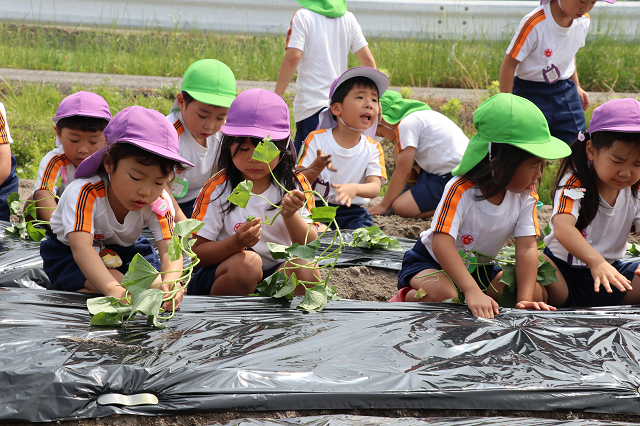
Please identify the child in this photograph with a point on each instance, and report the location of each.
(595, 204)
(319, 40)
(79, 125)
(118, 191)
(208, 88)
(345, 166)
(542, 58)
(491, 198)
(233, 252)
(8, 177)
(427, 138)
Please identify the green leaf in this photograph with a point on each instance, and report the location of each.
(250, 218)
(541, 245)
(30, 210)
(306, 252)
(13, 200)
(323, 214)
(152, 320)
(59, 181)
(107, 304)
(265, 151)
(278, 251)
(633, 249)
(241, 193)
(288, 288)
(315, 299)
(106, 318)
(270, 285)
(175, 250)
(391, 243)
(139, 276)
(373, 237)
(332, 293)
(508, 298)
(34, 233)
(509, 252)
(13, 231)
(546, 230)
(185, 228)
(147, 302)
(509, 276)
(546, 273)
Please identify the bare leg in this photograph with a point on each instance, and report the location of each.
(238, 275)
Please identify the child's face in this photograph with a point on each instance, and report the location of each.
(616, 167)
(78, 145)
(202, 120)
(575, 9)
(133, 185)
(251, 169)
(359, 108)
(527, 175)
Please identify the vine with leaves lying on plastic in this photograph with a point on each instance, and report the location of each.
(279, 285)
(26, 227)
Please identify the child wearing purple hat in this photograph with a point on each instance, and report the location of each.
(8, 177)
(117, 192)
(344, 165)
(596, 203)
(233, 251)
(79, 125)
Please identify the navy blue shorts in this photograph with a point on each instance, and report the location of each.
(418, 259)
(560, 104)
(202, 281)
(187, 207)
(353, 217)
(428, 190)
(580, 283)
(303, 128)
(9, 185)
(64, 273)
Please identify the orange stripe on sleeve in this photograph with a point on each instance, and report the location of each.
(286, 44)
(451, 200)
(204, 197)
(398, 143)
(380, 157)
(534, 194)
(306, 186)
(305, 145)
(528, 26)
(51, 171)
(4, 136)
(565, 204)
(84, 206)
(178, 126)
(166, 223)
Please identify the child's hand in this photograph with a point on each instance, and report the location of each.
(248, 234)
(538, 306)
(584, 99)
(378, 209)
(606, 275)
(168, 305)
(481, 305)
(346, 192)
(291, 203)
(322, 160)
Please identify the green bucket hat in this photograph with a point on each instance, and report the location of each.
(330, 8)
(211, 82)
(394, 108)
(507, 118)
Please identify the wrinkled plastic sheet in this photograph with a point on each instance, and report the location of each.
(348, 420)
(244, 354)
(377, 258)
(20, 262)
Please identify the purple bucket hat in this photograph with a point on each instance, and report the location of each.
(258, 113)
(142, 127)
(616, 115)
(85, 104)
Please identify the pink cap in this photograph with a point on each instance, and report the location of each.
(258, 113)
(85, 104)
(616, 115)
(142, 127)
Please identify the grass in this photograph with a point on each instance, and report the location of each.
(605, 63)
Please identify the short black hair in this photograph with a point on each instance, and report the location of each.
(187, 98)
(82, 123)
(342, 90)
(122, 150)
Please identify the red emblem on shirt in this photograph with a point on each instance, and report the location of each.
(548, 53)
(466, 239)
(98, 237)
(584, 233)
(238, 225)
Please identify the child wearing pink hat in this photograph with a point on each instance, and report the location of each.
(540, 63)
(8, 177)
(596, 202)
(79, 125)
(233, 250)
(118, 191)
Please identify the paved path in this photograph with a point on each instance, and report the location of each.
(68, 79)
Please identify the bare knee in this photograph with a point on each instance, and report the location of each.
(238, 275)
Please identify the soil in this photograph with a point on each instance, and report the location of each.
(361, 283)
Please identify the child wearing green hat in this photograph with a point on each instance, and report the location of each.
(200, 109)
(319, 40)
(426, 139)
(491, 198)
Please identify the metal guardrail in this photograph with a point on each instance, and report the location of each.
(447, 19)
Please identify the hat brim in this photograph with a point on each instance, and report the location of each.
(91, 164)
(60, 117)
(379, 79)
(211, 99)
(254, 132)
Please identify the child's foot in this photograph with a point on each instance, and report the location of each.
(399, 297)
